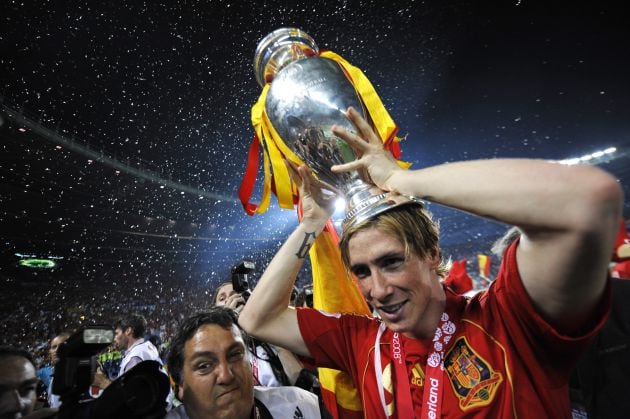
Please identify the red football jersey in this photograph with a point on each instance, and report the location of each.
(504, 360)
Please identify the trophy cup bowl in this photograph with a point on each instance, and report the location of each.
(309, 94)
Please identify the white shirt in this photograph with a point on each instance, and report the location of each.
(261, 368)
(282, 403)
(142, 349)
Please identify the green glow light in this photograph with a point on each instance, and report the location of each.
(37, 263)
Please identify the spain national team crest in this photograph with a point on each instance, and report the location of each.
(473, 379)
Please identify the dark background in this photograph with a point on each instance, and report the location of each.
(139, 113)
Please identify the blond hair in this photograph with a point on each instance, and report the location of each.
(411, 224)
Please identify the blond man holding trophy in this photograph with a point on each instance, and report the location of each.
(506, 352)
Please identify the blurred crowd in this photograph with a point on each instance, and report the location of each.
(50, 309)
(33, 316)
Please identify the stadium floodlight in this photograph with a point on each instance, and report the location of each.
(593, 158)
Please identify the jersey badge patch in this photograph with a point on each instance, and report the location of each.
(473, 379)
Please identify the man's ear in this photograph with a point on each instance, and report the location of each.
(179, 391)
(129, 331)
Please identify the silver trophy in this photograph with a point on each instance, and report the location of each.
(307, 96)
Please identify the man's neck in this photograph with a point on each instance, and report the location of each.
(133, 342)
(432, 316)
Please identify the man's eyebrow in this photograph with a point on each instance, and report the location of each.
(210, 354)
(203, 354)
(7, 386)
(379, 259)
(236, 345)
(30, 381)
(356, 266)
(388, 255)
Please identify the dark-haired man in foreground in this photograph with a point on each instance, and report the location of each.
(209, 363)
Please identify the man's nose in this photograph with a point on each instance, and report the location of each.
(381, 289)
(224, 373)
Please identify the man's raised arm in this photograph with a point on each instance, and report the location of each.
(267, 314)
(568, 216)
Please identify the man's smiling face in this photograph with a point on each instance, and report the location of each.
(217, 380)
(399, 286)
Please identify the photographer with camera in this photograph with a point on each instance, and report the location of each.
(226, 296)
(235, 292)
(140, 392)
(272, 366)
(129, 332)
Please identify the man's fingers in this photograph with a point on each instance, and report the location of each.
(302, 175)
(357, 143)
(347, 167)
(293, 172)
(362, 125)
(306, 176)
(236, 299)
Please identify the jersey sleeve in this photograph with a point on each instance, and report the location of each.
(334, 339)
(526, 326)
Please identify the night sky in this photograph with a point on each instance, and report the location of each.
(166, 88)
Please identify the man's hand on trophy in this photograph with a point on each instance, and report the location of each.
(374, 163)
(318, 198)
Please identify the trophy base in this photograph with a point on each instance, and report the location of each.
(366, 201)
